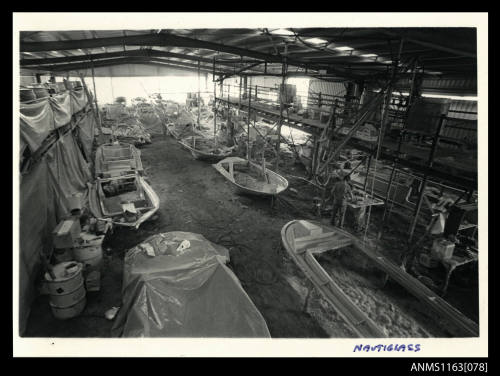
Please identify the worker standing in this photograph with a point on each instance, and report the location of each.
(341, 191)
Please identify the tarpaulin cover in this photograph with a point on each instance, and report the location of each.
(61, 106)
(87, 131)
(191, 293)
(78, 100)
(68, 168)
(37, 220)
(43, 202)
(36, 122)
(38, 119)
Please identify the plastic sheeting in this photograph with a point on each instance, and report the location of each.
(36, 122)
(43, 202)
(38, 119)
(78, 100)
(184, 294)
(61, 107)
(87, 130)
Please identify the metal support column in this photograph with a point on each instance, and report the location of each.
(282, 89)
(198, 98)
(215, 106)
(239, 98)
(435, 143)
(95, 97)
(391, 178)
(248, 122)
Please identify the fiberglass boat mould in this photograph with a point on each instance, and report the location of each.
(303, 239)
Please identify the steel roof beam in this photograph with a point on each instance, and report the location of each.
(130, 60)
(131, 53)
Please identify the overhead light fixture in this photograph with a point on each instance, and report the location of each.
(315, 40)
(369, 55)
(282, 32)
(344, 48)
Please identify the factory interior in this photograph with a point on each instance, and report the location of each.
(249, 182)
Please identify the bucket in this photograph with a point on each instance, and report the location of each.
(64, 313)
(75, 201)
(90, 257)
(68, 278)
(69, 299)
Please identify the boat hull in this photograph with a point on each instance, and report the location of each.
(279, 181)
(97, 206)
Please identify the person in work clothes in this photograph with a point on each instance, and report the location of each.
(341, 191)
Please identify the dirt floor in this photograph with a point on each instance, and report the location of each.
(196, 198)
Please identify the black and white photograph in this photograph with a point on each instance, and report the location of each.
(224, 177)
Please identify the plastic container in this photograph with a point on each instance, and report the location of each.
(442, 249)
(90, 257)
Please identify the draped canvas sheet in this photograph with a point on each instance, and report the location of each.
(61, 106)
(68, 168)
(36, 122)
(78, 100)
(184, 294)
(37, 220)
(87, 130)
(43, 202)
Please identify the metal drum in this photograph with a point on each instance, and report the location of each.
(67, 291)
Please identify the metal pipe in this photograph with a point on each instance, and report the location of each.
(367, 172)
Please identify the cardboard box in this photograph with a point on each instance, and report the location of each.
(442, 249)
(66, 232)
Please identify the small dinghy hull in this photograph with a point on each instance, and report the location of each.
(117, 158)
(272, 183)
(125, 201)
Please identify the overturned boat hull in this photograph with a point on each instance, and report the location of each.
(272, 183)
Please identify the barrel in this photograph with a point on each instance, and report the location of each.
(67, 291)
